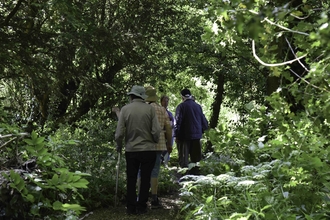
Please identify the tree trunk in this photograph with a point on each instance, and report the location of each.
(216, 107)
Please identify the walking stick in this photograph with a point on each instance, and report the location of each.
(117, 176)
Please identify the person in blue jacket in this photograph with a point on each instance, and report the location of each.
(189, 128)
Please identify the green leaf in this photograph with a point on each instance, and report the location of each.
(42, 151)
(74, 207)
(240, 28)
(55, 180)
(34, 210)
(62, 187)
(277, 155)
(31, 150)
(39, 146)
(82, 174)
(69, 177)
(45, 158)
(64, 177)
(266, 207)
(12, 185)
(273, 47)
(249, 106)
(15, 177)
(209, 199)
(28, 141)
(297, 13)
(48, 163)
(73, 142)
(81, 184)
(316, 162)
(76, 178)
(316, 44)
(30, 198)
(57, 205)
(5, 175)
(34, 135)
(20, 185)
(61, 170)
(224, 201)
(40, 140)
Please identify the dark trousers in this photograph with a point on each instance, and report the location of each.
(145, 161)
(192, 148)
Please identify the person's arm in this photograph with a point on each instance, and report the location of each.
(172, 119)
(120, 132)
(155, 127)
(168, 133)
(178, 120)
(116, 110)
(205, 124)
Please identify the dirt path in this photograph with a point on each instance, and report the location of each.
(170, 211)
(171, 205)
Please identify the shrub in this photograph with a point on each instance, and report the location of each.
(47, 190)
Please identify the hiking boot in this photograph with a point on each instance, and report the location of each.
(141, 211)
(131, 212)
(155, 204)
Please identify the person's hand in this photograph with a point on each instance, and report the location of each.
(119, 148)
(115, 109)
(169, 148)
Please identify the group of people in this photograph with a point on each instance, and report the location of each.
(148, 130)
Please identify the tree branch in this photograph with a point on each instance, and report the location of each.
(12, 13)
(296, 56)
(273, 64)
(10, 135)
(280, 26)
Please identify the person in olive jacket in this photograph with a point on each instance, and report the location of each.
(139, 128)
(189, 128)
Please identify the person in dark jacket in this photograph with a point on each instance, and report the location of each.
(189, 128)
